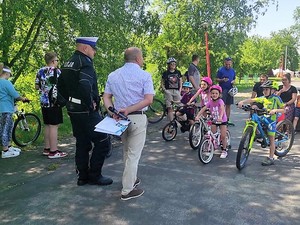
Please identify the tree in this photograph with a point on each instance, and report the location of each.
(182, 33)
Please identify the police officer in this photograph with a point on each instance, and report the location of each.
(78, 85)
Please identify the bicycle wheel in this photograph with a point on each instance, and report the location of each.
(284, 137)
(228, 139)
(156, 111)
(206, 151)
(169, 132)
(26, 129)
(195, 135)
(244, 149)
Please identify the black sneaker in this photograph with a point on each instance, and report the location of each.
(136, 183)
(135, 193)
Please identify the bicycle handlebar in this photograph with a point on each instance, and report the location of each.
(255, 110)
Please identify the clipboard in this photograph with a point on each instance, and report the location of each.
(110, 126)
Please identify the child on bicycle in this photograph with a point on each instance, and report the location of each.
(273, 104)
(185, 110)
(216, 107)
(8, 96)
(203, 92)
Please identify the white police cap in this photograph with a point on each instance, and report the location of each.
(88, 41)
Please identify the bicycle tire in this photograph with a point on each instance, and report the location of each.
(206, 151)
(169, 132)
(23, 136)
(228, 139)
(284, 127)
(244, 149)
(196, 135)
(156, 111)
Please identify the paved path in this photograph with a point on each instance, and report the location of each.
(179, 189)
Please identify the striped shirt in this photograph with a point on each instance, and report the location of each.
(128, 85)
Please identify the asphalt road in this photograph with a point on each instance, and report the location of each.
(179, 189)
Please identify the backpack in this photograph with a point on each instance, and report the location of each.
(55, 98)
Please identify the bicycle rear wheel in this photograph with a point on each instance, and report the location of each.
(26, 130)
(244, 149)
(169, 132)
(284, 137)
(156, 111)
(195, 135)
(206, 151)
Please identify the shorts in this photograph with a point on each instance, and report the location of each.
(227, 98)
(52, 115)
(271, 127)
(172, 95)
(297, 112)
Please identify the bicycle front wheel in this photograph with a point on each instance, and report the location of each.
(156, 111)
(284, 137)
(26, 130)
(206, 151)
(169, 132)
(244, 149)
(195, 135)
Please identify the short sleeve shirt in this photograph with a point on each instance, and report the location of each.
(223, 72)
(215, 109)
(258, 89)
(172, 79)
(45, 79)
(8, 94)
(193, 71)
(128, 85)
(287, 95)
(273, 102)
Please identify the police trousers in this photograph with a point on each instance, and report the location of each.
(87, 140)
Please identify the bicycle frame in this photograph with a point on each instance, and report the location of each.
(256, 122)
(214, 138)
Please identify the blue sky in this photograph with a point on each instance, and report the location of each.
(276, 20)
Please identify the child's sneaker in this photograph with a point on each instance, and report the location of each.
(57, 154)
(223, 154)
(9, 154)
(46, 151)
(14, 149)
(267, 162)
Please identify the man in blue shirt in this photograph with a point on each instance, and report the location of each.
(226, 79)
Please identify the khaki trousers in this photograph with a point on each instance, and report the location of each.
(133, 140)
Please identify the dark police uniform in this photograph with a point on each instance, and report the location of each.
(78, 84)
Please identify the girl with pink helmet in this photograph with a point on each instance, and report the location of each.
(216, 106)
(203, 92)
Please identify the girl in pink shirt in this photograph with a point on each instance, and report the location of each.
(204, 93)
(216, 107)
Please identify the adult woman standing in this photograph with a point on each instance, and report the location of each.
(288, 94)
(171, 83)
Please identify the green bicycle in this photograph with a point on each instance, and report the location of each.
(258, 123)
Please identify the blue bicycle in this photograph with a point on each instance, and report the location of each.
(256, 128)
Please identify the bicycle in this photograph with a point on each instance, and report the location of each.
(169, 131)
(156, 111)
(258, 123)
(211, 141)
(197, 130)
(27, 127)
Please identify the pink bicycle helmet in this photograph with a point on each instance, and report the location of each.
(216, 87)
(207, 80)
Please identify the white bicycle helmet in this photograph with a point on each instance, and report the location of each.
(171, 60)
(233, 91)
